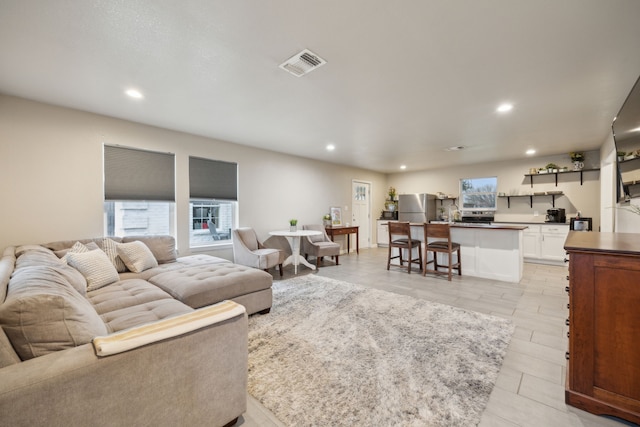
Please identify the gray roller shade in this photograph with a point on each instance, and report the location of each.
(212, 179)
(132, 174)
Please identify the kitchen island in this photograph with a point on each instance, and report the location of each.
(487, 250)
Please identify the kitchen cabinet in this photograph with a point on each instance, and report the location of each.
(603, 367)
(531, 242)
(552, 238)
(383, 232)
(543, 243)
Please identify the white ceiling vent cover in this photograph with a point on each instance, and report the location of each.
(302, 63)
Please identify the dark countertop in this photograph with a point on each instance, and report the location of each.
(593, 241)
(476, 225)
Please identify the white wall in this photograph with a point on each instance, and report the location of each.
(52, 174)
(608, 182)
(512, 180)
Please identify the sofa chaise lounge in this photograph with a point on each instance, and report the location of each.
(163, 344)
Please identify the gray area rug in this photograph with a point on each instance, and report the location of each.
(333, 353)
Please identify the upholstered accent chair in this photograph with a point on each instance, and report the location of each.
(319, 246)
(247, 250)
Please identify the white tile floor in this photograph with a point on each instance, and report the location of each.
(530, 387)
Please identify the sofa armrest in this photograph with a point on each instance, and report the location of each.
(167, 328)
(196, 378)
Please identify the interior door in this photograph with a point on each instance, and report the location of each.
(361, 211)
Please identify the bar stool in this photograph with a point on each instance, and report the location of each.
(400, 238)
(440, 231)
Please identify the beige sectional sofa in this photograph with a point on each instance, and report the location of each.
(165, 343)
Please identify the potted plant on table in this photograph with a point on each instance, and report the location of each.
(326, 220)
(293, 225)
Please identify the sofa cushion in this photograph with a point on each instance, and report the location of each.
(123, 294)
(95, 266)
(110, 247)
(136, 256)
(166, 328)
(43, 313)
(181, 262)
(133, 302)
(207, 284)
(163, 247)
(39, 257)
(78, 248)
(140, 314)
(8, 355)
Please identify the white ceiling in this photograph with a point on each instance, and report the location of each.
(403, 79)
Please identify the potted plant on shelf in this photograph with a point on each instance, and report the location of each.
(577, 157)
(552, 167)
(390, 203)
(621, 155)
(293, 225)
(326, 220)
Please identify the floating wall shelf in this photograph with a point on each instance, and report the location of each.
(531, 196)
(531, 175)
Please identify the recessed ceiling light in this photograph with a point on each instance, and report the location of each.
(455, 148)
(503, 108)
(331, 147)
(133, 93)
(403, 167)
(530, 151)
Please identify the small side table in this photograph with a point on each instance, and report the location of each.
(294, 242)
(342, 230)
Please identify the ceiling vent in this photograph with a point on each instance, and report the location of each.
(302, 63)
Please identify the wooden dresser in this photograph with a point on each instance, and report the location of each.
(603, 372)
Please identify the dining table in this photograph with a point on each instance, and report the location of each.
(294, 237)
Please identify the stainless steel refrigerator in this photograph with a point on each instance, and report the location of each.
(419, 207)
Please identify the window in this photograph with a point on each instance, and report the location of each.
(139, 192)
(478, 193)
(213, 201)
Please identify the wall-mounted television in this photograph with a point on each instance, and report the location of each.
(626, 134)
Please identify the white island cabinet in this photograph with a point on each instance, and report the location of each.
(487, 251)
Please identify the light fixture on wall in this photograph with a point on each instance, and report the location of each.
(530, 152)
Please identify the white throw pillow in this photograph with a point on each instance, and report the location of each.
(111, 249)
(95, 266)
(137, 256)
(78, 248)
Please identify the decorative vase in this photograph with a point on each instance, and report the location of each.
(293, 228)
(327, 222)
(577, 165)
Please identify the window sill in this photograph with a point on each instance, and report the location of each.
(213, 246)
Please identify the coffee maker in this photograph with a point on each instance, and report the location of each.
(556, 215)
